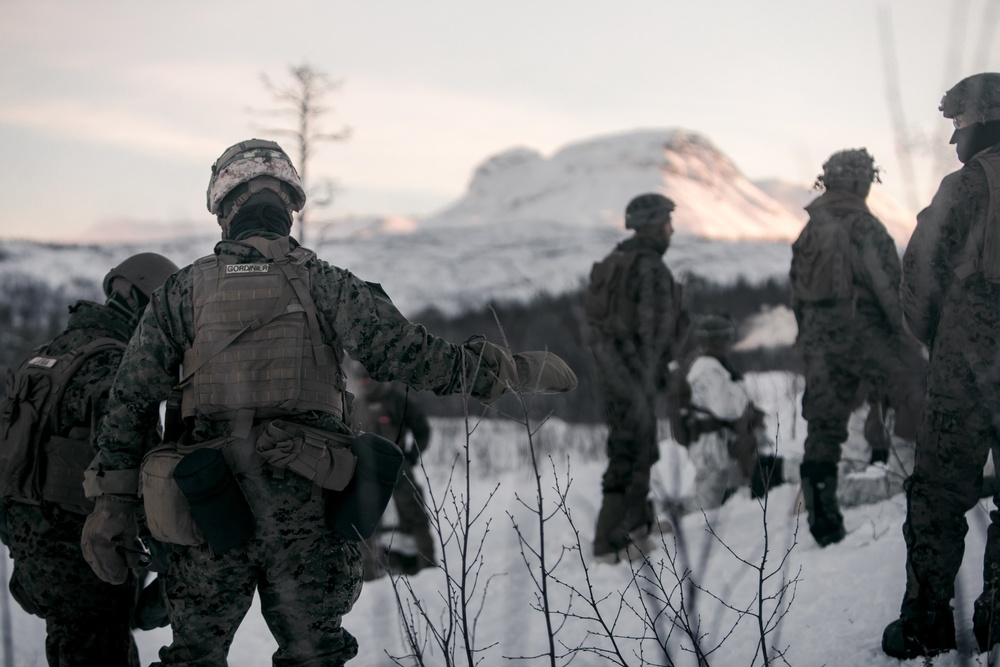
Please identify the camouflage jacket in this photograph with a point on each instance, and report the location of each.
(876, 273)
(948, 231)
(363, 320)
(86, 397)
(645, 352)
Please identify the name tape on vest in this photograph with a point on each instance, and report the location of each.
(237, 269)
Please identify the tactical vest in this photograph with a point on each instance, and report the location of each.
(822, 271)
(986, 260)
(258, 341)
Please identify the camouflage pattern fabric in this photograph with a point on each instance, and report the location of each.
(630, 370)
(849, 342)
(959, 319)
(307, 579)
(386, 410)
(86, 619)
(368, 326)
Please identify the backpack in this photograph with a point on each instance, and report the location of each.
(821, 260)
(606, 305)
(37, 462)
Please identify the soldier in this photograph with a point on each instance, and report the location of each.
(951, 301)
(389, 411)
(730, 448)
(255, 335)
(845, 294)
(87, 621)
(633, 311)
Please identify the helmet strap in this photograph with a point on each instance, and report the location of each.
(253, 187)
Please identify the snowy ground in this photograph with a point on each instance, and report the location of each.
(844, 596)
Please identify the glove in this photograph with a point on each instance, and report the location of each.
(541, 372)
(109, 526)
(501, 365)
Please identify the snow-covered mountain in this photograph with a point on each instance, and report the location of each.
(588, 184)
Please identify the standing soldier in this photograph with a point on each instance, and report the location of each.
(65, 385)
(951, 300)
(387, 410)
(845, 294)
(633, 311)
(255, 496)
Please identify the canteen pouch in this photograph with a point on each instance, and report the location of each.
(323, 457)
(217, 503)
(355, 512)
(168, 513)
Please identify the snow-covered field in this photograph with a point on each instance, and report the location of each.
(844, 595)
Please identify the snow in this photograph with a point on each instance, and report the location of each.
(844, 596)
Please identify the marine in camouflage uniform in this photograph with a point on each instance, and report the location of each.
(630, 361)
(307, 576)
(387, 410)
(951, 301)
(87, 621)
(847, 341)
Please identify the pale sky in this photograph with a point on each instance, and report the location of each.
(112, 111)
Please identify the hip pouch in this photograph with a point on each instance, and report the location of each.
(354, 513)
(323, 457)
(168, 513)
(218, 506)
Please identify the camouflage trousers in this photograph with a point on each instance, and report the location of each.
(307, 579)
(893, 366)
(411, 536)
(87, 621)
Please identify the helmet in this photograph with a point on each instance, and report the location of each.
(974, 99)
(847, 166)
(715, 328)
(648, 210)
(145, 271)
(250, 160)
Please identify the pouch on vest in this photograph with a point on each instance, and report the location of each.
(821, 260)
(355, 512)
(322, 457)
(168, 513)
(218, 505)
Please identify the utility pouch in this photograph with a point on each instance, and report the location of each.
(62, 484)
(323, 457)
(355, 512)
(217, 503)
(168, 513)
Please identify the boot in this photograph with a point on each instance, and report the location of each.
(819, 489)
(610, 533)
(985, 623)
(768, 473)
(919, 633)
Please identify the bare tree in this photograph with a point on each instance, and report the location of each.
(302, 100)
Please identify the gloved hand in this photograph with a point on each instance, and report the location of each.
(541, 372)
(499, 361)
(109, 526)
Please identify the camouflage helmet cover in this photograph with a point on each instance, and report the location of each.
(974, 99)
(846, 166)
(145, 271)
(647, 210)
(248, 160)
(710, 328)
